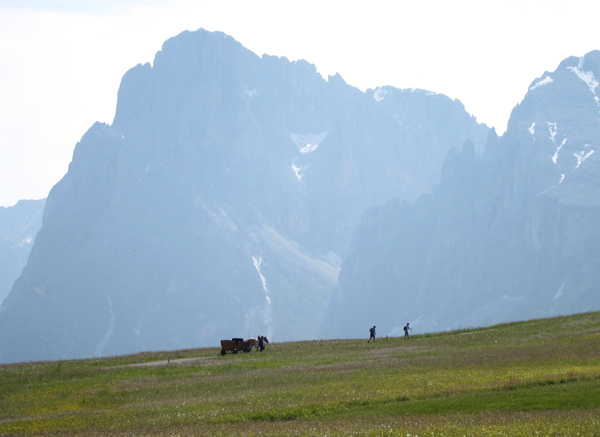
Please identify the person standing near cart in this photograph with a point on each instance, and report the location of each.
(261, 342)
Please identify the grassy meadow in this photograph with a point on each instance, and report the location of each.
(540, 377)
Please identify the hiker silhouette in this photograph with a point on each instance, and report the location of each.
(371, 334)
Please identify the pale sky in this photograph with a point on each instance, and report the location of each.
(61, 61)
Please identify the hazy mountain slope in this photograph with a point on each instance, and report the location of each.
(506, 236)
(19, 225)
(219, 203)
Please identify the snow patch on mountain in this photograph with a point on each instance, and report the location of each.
(220, 218)
(582, 156)
(298, 171)
(251, 93)
(257, 263)
(532, 129)
(555, 156)
(268, 318)
(109, 332)
(544, 81)
(379, 94)
(309, 148)
(560, 289)
(308, 143)
(333, 258)
(552, 129)
(588, 78)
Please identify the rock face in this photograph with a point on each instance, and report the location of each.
(219, 203)
(19, 225)
(506, 236)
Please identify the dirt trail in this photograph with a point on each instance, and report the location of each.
(162, 362)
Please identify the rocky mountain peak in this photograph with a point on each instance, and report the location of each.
(219, 203)
(510, 235)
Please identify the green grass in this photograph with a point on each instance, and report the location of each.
(541, 376)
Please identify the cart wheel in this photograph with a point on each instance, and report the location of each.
(246, 349)
(234, 351)
(222, 351)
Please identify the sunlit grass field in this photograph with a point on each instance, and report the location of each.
(539, 377)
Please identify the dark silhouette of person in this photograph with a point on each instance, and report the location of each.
(261, 342)
(371, 334)
(406, 329)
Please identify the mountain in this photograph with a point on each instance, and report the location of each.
(219, 203)
(508, 235)
(19, 225)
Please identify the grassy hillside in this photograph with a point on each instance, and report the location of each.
(515, 379)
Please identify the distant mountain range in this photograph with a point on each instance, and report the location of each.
(510, 235)
(219, 203)
(19, 224)
(223, 199)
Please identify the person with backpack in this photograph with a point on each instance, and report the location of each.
(406, 329)
(371, 334)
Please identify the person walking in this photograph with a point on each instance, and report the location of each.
(371, 334)
(406, 329)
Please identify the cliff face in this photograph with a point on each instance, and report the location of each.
(19, 224)
(219, 203)
(509, 235)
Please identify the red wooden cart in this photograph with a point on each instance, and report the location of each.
(238, 344)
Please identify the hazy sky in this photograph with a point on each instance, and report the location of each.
(61, 61)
